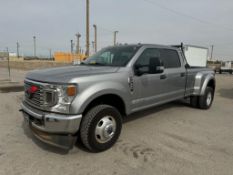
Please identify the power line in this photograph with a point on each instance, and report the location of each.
(186, 15)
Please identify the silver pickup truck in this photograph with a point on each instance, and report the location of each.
(89, 100)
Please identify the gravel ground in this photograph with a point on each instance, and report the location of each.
(16, 75)
(170, 139)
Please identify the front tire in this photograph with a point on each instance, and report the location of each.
(100, 128)
(205, 101)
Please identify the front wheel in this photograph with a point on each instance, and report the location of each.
(100, 128)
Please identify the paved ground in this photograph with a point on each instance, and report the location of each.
(170, 139)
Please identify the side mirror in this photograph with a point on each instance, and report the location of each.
(139, 69)
(155, 65)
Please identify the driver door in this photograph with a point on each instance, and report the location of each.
(151, 87)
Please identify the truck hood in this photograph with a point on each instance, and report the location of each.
(65, 74)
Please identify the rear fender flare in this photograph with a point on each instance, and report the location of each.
(201, 82)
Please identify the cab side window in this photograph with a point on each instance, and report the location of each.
(144, 58)
(170, 58)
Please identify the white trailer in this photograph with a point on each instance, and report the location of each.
(196, 56)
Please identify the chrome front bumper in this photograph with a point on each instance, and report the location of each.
(55, 129)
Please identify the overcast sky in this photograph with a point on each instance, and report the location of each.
(55, 22)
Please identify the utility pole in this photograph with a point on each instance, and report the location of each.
(93, 46)
(87, 28)
(114, 40)
(71, 46)
(78, 43)
(50, 54)
(212, 50)
(34, 43)
(8, 61)
(17, 45)
(95, 33)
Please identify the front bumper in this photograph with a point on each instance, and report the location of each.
(55, 129)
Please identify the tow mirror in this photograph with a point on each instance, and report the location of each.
(155, 65)
(139, 69)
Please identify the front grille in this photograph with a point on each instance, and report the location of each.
(36, 98)
(42, 98)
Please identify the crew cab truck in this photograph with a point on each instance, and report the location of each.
(90, 99)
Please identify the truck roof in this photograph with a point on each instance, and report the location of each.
(148, 45)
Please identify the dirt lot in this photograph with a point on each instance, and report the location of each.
(170, 139)
(32, 64)
(16, 75)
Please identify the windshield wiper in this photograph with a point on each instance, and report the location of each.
(96, 64)
(82, 62)
(93, 63)
(99, 64)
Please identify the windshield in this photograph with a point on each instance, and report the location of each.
(112, 56)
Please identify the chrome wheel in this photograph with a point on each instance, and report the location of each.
(105, 129)
(208, 99)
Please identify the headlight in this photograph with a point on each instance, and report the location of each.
(65, 96)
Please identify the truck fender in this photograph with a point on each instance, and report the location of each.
(201, 82)
(88, 95)
(206, 82)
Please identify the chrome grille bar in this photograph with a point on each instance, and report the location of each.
(37, 99)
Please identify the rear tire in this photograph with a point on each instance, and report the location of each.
(100, 128)
(205, 101)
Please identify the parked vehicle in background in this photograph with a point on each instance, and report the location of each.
(90, 100)
(196, 56)
(226, 66)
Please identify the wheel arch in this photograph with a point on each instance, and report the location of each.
(208, 82)
(108, 99)
(112, 91)
(203, 80)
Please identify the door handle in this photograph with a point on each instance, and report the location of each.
(163, 76)
(182, 74)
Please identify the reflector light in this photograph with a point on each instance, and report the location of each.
(71, 90)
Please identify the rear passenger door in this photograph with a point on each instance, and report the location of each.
(174, 74)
